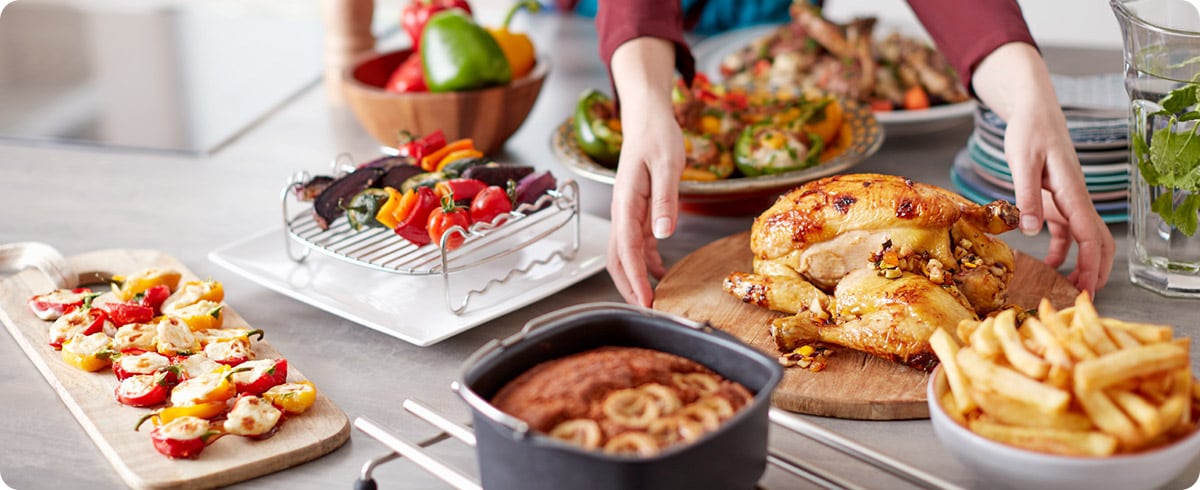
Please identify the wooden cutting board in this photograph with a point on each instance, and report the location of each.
(854, 385)
(89, 396)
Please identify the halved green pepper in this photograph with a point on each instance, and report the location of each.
(594, 120)
(458, 54)
(751, 162)
(363, 206)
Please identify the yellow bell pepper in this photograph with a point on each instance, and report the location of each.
(213, 386)
(174, 337)
(88, 352)
(192, 292)
(458, 155)
(517, 47)
(126, 287)
(202, 410)
(201, 315)
(385, 212)
(293, 398)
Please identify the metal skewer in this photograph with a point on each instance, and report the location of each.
(414, 453)
(858, 451)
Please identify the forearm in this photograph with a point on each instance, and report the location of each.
(1008, 77)
(643, 72)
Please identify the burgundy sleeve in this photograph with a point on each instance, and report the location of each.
(967, 32)
(620, 21)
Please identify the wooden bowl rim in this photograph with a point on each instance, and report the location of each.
(537, 75)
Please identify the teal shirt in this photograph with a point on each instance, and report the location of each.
(720, 15)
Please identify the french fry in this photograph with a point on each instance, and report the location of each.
(1056, 441)
(1009, 411)
(1052, 349)
(1145, 333)
(966, 327)
(1174, 411)
(952, 408)
(983, 339)
(1108, 417)
(1099, 373)
(1049, 315)
(1014, 350)
(1146, 415)
(1087, 321)
(1011, 383)
(1058, 324)
(947, 351)
(1122, 338)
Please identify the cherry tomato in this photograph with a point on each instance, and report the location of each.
(445, 217)
(490, 203)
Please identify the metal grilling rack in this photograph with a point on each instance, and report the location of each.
(383, 250)
(414, 452)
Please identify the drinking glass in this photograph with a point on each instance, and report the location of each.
(1162, 77)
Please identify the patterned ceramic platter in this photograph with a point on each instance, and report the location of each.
(739, 195)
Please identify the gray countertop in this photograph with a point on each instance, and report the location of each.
(83, 199)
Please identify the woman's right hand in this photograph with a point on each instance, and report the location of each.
(646, 192)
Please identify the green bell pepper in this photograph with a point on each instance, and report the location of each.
(457, 54)
(596, 138)
(758, 135)
(363, 206)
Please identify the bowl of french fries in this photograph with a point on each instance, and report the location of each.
(1066, 399)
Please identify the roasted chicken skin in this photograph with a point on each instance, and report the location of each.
(876, 263)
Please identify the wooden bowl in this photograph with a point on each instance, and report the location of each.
(489, 116)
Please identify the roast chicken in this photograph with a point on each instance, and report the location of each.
(876, 263)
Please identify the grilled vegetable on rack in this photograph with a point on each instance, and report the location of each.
(52, 305)
(491, 202)
(497, 174)
(363, 207)
(414, 215)
(461, 189)
(445, 217)
(327, 207)
(534, 186)
(416, 148)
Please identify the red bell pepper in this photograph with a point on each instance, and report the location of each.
(230, 352)
(416, 148)
(412, 227)
(184, 437)
(154, 297)
(459, 189)
(143, 390)
(126, 313)
(52, 305)
(408, 77)
(416, 14)
(256, 377)
(135, 362)
(80, 321)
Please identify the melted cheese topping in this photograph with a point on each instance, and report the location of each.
(187, 294)
(144, 363)
(184, 428)
(257, 369)
(54, 301)
(89, 345)
(136, 336)
(227, 349)
(215, 334)
(197, 365)
(136, 386)
(69, 325)
(251, 416)
(174, 336)
(196, 390)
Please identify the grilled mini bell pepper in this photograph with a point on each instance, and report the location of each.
(143, 390)
(293, 398)
(416, 148)
(212, 387)
(459, 55)
(597, 130)
(416, 14)
(125, 287)
(85, 320)
(167, 415)
(256, 377)
(201, 315)
(763, 149)
(173, 337)
(364, 206)
(136, 336)
(387, 211)
(129, 312)
(195, 365)
(137, 362)
(230, 352)
(88, 352)
(183, 437)
(153, 297)
(412, 226)
(52, 305)
(193, 292)
(517, 47)
(251, 416)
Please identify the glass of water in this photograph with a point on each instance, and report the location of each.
(1162, 76)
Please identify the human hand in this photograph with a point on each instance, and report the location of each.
(1047, 178)
(646, 191)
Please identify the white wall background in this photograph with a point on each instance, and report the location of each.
(1053, 22)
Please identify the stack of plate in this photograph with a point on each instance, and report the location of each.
(1101, 139)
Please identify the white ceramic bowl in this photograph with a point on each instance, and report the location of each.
(1001, 465)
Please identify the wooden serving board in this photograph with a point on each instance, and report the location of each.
(853, 385)
(90, 397)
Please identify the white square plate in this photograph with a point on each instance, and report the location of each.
(413, 308)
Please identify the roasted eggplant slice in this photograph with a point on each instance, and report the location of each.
(328, 206)
(311, 188)
(396, 176)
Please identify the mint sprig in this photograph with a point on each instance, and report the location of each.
(1172, 159)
